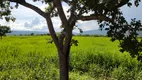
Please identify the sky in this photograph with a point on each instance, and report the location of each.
(26, 19)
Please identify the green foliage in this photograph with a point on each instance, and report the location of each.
(119, 28)
(4, 30)
(29, 57)
(74, 42)
(127, 34)
(32, 34)
(5, 10)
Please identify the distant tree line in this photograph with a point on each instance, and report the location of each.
(47, 34)
(91, 35)
(32, 34)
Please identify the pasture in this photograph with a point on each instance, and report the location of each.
(95, 58)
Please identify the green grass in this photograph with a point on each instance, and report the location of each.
(95, 58)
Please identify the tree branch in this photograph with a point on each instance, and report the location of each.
(122, 3)
(36, 9)
(51, 9)
(52, 31)
(93, 17)
(45, 15)
(61, 12)
(72, 18)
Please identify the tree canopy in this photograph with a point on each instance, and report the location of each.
(4, 30)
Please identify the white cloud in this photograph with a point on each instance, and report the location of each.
(88, 25)
(34, 22)
(56, 23)
(14, 26)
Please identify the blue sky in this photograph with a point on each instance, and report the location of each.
(27, 19)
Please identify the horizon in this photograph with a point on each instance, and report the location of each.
(88, 32)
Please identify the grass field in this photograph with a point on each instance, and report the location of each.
(95, 58)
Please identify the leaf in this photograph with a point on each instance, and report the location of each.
(75, 42)
(7, 19)
(16, 6)
(106, 28)
(122, 50)
(137, 3)
(81, 31)
(129, 4)
(13, 19)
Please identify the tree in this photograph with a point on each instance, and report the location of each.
(106, 12)
(4, 30)
(32, 34)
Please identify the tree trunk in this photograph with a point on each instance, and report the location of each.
(63, 65)
(63, 48)
(63, 53)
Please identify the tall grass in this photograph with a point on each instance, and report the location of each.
(95, 58)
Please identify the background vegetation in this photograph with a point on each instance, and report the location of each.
(95, 58)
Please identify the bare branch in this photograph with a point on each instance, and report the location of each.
(61, 12)
(72, 18)
(45, 15)
(52, 31)
(93, 17)
(36, 9)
